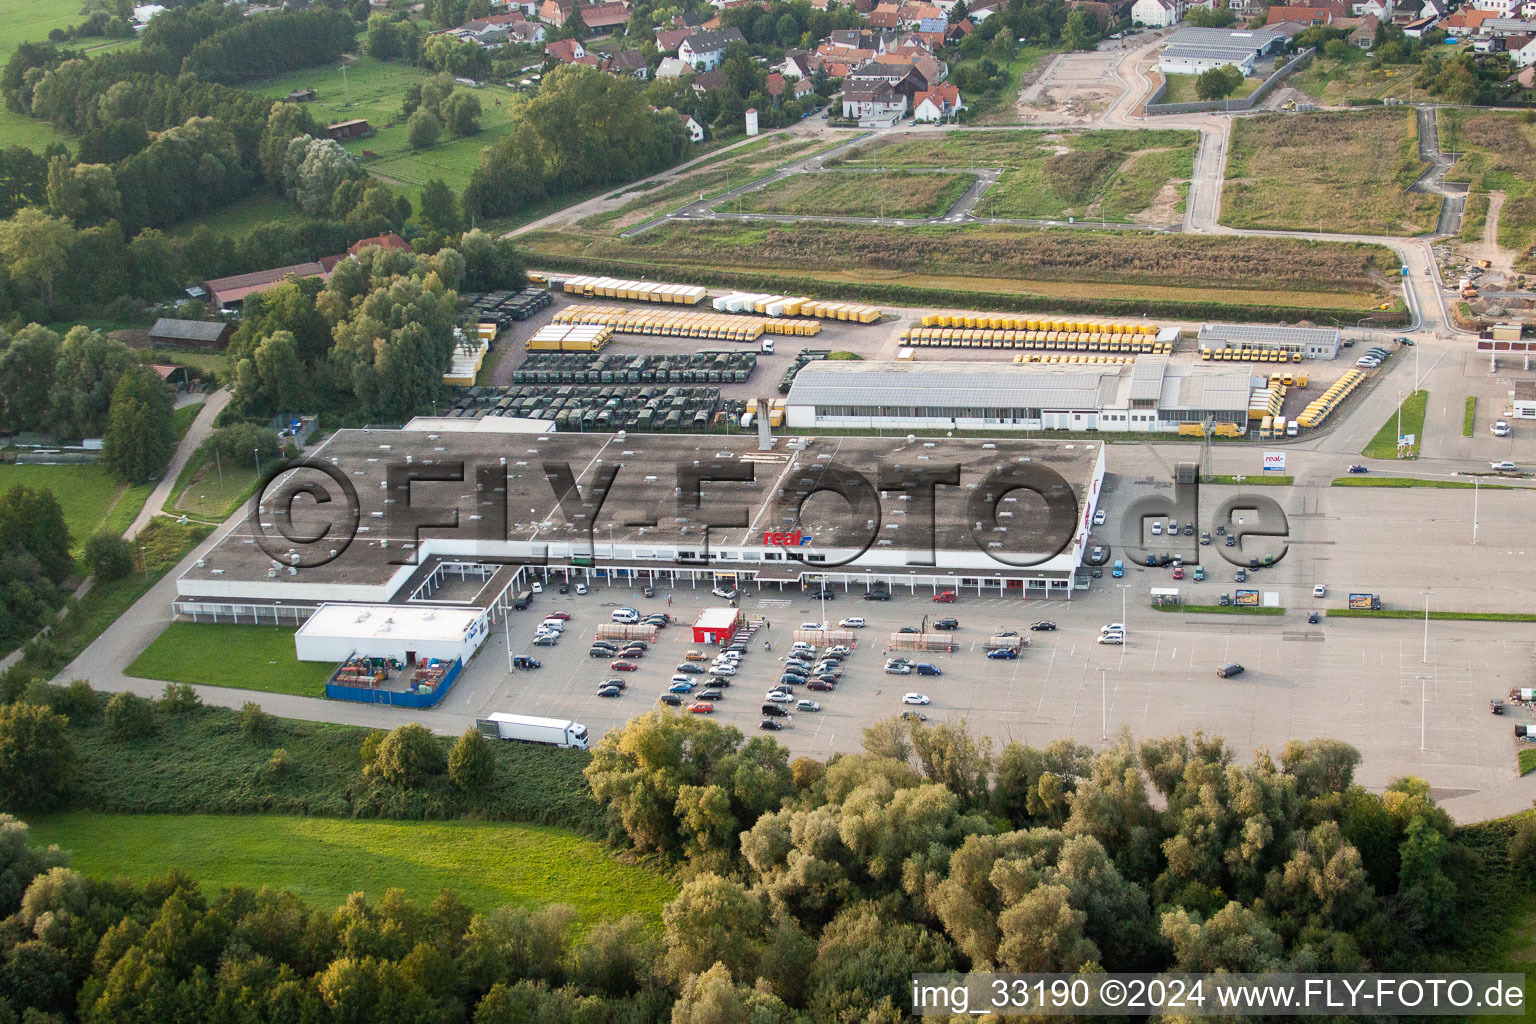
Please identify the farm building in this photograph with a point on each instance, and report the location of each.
(341, 131)
(1310, 342)
(190, 333)
(230, 292)
(1148, 395)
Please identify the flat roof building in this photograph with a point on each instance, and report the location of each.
(1148, 395)
(636, 514)
(1191, 51)
(403, 633)
(1311, 342)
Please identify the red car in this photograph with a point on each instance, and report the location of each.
(623, 666)
(817, 684)
(1178, 574)
(701, 709)
(558, 615)
(944, 597)
(632, 652)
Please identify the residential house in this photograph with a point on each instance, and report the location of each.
(1363, 37)
(629, 62)
(669, 39)
(529, 33)
(1155, 13)
(605, 17)
(1528, 9)
(958, 30)
(773, 85)
(884, 16)
(230, 292)
(983, 9)
(873, 103)
(555, 12)
(1466, 20)
(1306, 16)
(708, 48)
(708, 80)
(1498, 8)
(566, 51)
(693, 128)
(903, 78)
(798, 64)
(591, 60)
(940, 103)
(1521, 50)
(1381, 10)
(1506, 27)
(389, 240)
(800, 88)
(673, 67)
(922, 17)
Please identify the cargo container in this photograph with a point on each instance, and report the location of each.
(1006, 643)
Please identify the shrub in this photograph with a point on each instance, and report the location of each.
(279, 762)
(76, 702)
(130, 717)
(179, 698)
(253, 721)
(37, 757)
(408, 756)
(108, 555)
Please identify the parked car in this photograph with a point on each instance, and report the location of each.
(681, 688)
(878, 595)
(623, 666)
(1229, 670)
(944, 597)
(1231, 541)
(907, 629)
(1043, 626)
(1178, 573)
(523, 661)
(838, 651)
(711, 694)
(769, 725)
(701, 708)
(672, 699)
(563, 616)
(1099, 518)
(914, 716)
(915, 698)
(779, 697)
(726, 593)
(722, 671)
(898, 668)
(1359, 469)
(581, 588)
(1241, 576)
(1003, 654)
(813, 625)
(537, 588)
(1205, 536)
(853, 622)
(807, 705)
(609, 691)
(926, 669)
(1115, 639)
(818, 684)
(1157, 529)
(546, 640)
(695, 656)
(692, 668)
(624, 616)
(947, 624)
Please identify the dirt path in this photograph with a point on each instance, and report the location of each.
(1502, 260)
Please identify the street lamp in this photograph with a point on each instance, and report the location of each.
(257, 452)
(144, 560)
(1104, 704)
(1475, 482)
(1426, 594)
(1123, 588)
(1423, 698)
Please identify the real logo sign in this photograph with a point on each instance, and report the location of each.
(1274, 462)
(792, 539)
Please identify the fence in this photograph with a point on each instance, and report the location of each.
(1246, 103)
(396, 698)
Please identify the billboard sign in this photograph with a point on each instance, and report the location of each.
(1246, 598)
(1362, 601)
(1274, 462)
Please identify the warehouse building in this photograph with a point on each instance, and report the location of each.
(1191, 51)
(1309, 342)
(1150, 395)
(634, 519)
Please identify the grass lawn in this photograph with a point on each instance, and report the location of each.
(223, 654)
(1250, 480)
(1384, 444)
(1334, 82)
(323, 860)
(34, 133)
(1002, 106)
(204, 490)
(1498, 149)
(1302, 173)
(1408, 481)
(1469, 418)
(1181, 89)
(182, 418)
(216, 363)
(87, 495)
(1527, 761)
(30, 22)
(1109, 174)
(856, 194)
(1409, 613)
(1218, 609)
(239, 218)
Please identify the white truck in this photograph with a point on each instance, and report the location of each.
(558, 732)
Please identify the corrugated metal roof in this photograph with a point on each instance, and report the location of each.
(1232, 54)
(969, 385)
(1273, 335)
(1207, 392)
(1147, 378)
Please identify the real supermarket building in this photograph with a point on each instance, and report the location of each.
(822, 511)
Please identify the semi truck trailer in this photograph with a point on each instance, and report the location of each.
(558, 732)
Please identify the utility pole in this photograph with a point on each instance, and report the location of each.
(1104, 704)
(1423, 700)
(1426, 594)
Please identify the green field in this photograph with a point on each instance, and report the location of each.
(87, 495)
(212, 490)
(857, 194)
(239, 218)
(1498, 149)
(374, 90)
(1355, 77)
(21, 130)
(1384, 444)
(1115, 175)
(224, 654)
(1181, 89)
(31, 21)
(1333, 170)
(323, 860)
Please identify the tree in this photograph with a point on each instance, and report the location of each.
(439, 212)
(32, 523)
(26, 376)
(422, 129)
(37, 759)
(282, 374)
(85, 379)
(20, 861)
(471, 764)
(35, 248)
(1218, 83)
(130, 717)
(140, 437)
(1079, 33)
(408, 756)
(108, 555)
(460, 113)
(313, 169)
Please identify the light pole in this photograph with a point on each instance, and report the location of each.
(1399, 417)
(144, 560)
(1474, 510)
(257, 452)
(1423, 698)
(1104, 704)
(1426, 594)
(1123, 588)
